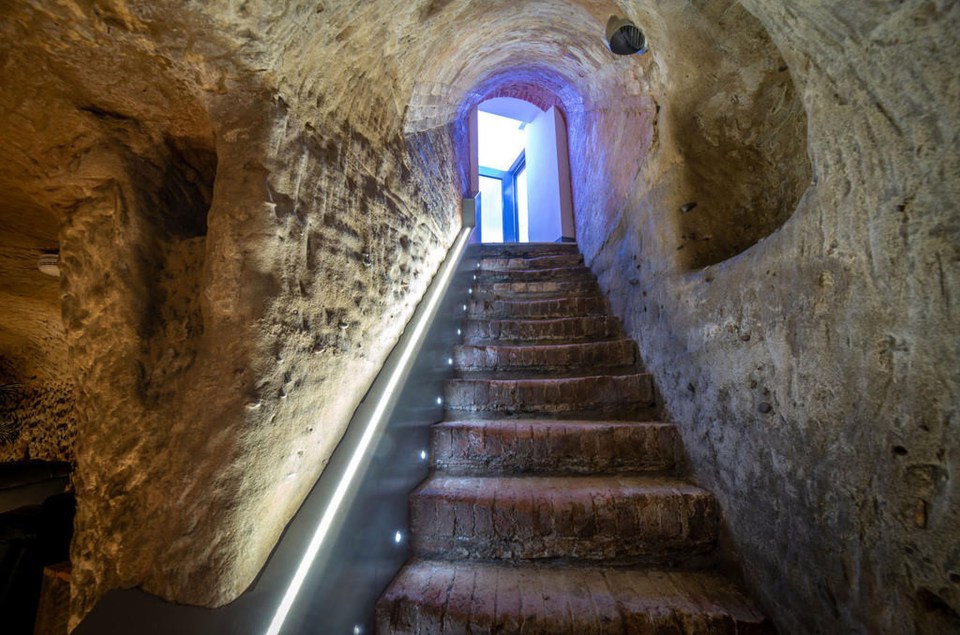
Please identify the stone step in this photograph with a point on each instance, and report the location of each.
(446, 598)
(619, 397)
(530, 263)
(527, 250)
(577, 306)
(536, 289)
(623, 519)
(484, 276)
(576, 329)
(536, 482)
(546, 358)
(552, 447)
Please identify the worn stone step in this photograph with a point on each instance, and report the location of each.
(506, 274)
(531, 263)
(537, 289)
(577, 306)
(617, 397)
(447, 598)
(553, 447)
(594, 518)
(527, 250)
(545, 358)
(574, 329)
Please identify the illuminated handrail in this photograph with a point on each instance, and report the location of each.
(373, 426)
(316, 560)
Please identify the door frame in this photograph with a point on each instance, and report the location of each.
(508, 187)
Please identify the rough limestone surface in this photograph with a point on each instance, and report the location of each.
(243, 232)
(249, 198)
(815, 374)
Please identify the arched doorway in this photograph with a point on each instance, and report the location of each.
(524, 173)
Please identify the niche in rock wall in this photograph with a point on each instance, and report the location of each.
(186, 189)
(142, 227)
(176, 213)
(740, 131)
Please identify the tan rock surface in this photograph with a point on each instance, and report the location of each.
(234, 269)
(816, 372)
(250, 197)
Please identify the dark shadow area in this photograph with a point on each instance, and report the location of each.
(934, 615)
(187, 188)
(35, 532)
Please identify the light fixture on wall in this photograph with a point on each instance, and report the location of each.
(49, 264)
(624, 37)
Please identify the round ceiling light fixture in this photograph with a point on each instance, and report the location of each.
(624, 37)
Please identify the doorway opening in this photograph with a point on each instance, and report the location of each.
(524, 173)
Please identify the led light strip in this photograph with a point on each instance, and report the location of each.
(373, 425)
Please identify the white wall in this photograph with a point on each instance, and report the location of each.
(512, 108)
(548, 179)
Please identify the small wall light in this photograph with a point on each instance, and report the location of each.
(624, 37)
(49, 264)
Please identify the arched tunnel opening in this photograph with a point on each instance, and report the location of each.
(523, 165)
(708, 147)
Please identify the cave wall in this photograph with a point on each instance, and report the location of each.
(814, 375)
(250, 197)
(243, 234)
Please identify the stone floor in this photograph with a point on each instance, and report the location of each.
(558, 501)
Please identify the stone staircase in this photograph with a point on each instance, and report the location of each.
(557, 502)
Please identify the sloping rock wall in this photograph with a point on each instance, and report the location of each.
(237, 259)
(815, 374)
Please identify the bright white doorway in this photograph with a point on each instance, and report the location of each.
(524, 173)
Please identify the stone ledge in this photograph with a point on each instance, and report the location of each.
(592, 305)
(575, 329)
(604, 396)
(459, 597)
(595, 518)
(546, 446)
(546, 358)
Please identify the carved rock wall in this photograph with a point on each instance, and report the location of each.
(249, 198)
(815, 373)
(237, 259)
